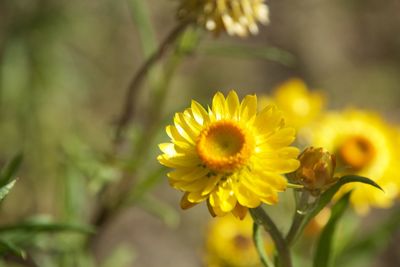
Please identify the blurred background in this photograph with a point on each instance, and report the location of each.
(64, 69)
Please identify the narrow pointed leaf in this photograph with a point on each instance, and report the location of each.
(370, 243)
(47, 227)
(8, 172)
(323, 253)
(6, 189)
(327, 196)
(9, 247)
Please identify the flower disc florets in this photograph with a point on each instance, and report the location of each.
(231, 155)
(225, 146)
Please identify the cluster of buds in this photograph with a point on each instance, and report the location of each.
(235, 17)
(316, 171)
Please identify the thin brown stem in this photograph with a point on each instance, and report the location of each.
(127, 112)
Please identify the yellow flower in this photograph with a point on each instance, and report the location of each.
(231, 155)
(236, 17)
(229, 243)
(364, 145)
(298, 104)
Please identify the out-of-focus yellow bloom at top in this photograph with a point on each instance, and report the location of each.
(299, 105)
(229, 243)
(236, 17)
(229, 155)
(364, 145)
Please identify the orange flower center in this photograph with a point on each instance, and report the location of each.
(242, 242)
(357, 152)
(224, 146)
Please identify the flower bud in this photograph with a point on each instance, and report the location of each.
(316, 170)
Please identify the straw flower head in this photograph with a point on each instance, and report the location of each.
(229, 242)
(236, 17)
(364, 145)
(230, 155)
(299, 105)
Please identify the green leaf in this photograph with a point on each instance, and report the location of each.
(327, 196)
(372, 240)
(323, 253)
(9, 247)
(48, 227)
(6, 189)
(8, 172)
(141, 18)
(249, 51)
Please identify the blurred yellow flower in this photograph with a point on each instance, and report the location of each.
(315, 226)
(364, 145)
(299, 105)
(236, 17)
(229, 243)
(231, 155)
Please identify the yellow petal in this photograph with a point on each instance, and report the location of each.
(199, 113)
(239, 211)
(248, 107)
(218, 106)
(245, 197)
(233, 104)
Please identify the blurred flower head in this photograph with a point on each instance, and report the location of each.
(315, 226)
(299, 105)
(364, 145)
(230, 155)
(229, 243)
(236, 17)
(316, 171)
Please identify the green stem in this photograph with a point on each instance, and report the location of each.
(108, 212)
(128, 109)
(259, 243)
(261, 217)
(298, 219)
